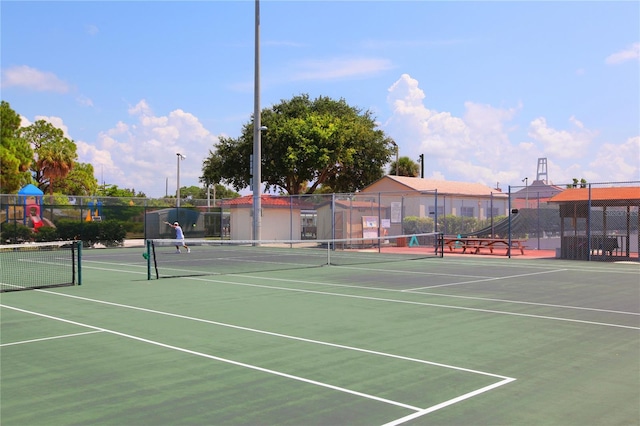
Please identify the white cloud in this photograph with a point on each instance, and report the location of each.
(142, 154)
(57, 122)
(91, 29)
(337, 68)
(469, 148)
(24, 121)
(84, 101)
(483, 146)
(33, 79)
(617, 163)
(630, 53)
(561, 144)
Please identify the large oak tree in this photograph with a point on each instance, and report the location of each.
(307, 144)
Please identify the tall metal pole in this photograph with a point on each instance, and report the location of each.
(257, 143)
(180, 157)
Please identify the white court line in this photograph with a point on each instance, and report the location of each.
(270, 333)
(492, 311)
(409, 302)
(453, 296)
(437, 407)
(415, 290)
(581, 267)
(225, 360)
(64, 336)
(485, 280)
(530, 264)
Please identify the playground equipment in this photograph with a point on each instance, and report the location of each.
(95, 211)
(33, 211)
(30, 212)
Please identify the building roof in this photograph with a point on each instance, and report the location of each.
(442, 186)
(537, 189)
(618, 196)
(355, 204)
(266, 200)
(30, 190)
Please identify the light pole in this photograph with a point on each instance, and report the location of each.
(180, 157)
(526, 192)
(397, 152)
(257, 127)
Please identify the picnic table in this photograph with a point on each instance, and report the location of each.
(474, 244)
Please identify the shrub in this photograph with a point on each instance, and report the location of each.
(417, 225)
(110, 233)
(46, 233)
(14, 233)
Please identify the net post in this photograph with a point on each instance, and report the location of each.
(79, 251)
(148, 258)
(155, 261)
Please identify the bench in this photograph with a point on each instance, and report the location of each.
(474, 245)
(603, 245)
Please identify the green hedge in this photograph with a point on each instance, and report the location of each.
(417, 225)
(110, 233)
(14, 233)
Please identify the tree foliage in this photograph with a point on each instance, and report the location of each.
(308, 144)
(15, 153)
(80, 181)
(200, 193)
(109, 190)
(55, 154)
(406, 167)
(582, 183)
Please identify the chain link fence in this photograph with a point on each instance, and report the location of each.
(588, 221)
(597, 221)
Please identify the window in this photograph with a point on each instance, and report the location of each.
(466, 211)
(439, 211)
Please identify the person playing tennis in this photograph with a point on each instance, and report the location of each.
(179, 237)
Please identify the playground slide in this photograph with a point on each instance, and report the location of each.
(37, 222)
(41, 221)
(47, 222)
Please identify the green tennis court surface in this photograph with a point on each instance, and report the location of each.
(452, 341)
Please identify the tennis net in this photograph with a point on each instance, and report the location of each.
(39, 265)
(219, 257)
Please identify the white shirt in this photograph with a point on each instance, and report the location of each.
(179, 233)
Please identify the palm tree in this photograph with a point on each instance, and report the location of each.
(406, 167)
(55, 160)
(55, 154)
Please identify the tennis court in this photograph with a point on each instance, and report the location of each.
(481, 340)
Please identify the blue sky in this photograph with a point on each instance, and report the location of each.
(482, 89)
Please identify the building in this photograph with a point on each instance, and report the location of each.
(281, 218)
(412, 196)
(539, 192)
